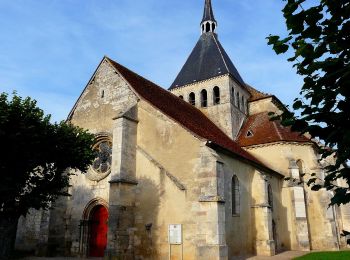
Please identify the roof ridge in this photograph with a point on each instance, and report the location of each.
(277, 130)
(222, 56)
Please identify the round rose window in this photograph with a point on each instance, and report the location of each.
(103, 160)
(101, 166)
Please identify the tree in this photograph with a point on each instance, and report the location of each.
(319, 40)
(34, 158)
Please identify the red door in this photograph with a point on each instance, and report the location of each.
(98, 231)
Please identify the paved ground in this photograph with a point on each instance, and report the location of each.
(283, 256)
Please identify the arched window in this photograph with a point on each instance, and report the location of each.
(213, 26)
(242, 108)
(237, 99)
(204, 98)
(270, 196)
(182, 97)
(301, 170)
(216, 95)
(192, 99)
(235, 196)
(207, 28)
(233, 95)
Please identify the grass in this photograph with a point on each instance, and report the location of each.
(341, 255)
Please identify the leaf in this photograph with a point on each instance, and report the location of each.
(40, 177)
(316, 187)
(297, 104)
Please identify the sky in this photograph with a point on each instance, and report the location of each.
(49, 49)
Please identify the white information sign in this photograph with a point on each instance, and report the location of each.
(299, 202)
(175, 234)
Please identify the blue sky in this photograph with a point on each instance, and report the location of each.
(50, 48)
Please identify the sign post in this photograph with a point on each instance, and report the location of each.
(175, 237)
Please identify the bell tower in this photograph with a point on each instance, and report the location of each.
(210, 81)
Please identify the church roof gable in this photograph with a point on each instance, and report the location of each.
(207, 60)
(182, 112)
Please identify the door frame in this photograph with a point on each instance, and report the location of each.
(85, 225)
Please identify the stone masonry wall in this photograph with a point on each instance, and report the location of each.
(229, 114)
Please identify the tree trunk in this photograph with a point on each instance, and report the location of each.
(8, 229)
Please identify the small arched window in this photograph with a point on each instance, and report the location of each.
(232, 95)
(182, 97)
(270, 196)
(213, 26)
(204, 98)
(237, 99)
(301, 170)
(207, 28)
(192, 99)
(216, 95)
(235, 196)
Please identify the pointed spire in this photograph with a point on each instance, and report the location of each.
(208, 23)
(208, 14)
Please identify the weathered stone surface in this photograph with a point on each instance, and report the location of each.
(162, 174)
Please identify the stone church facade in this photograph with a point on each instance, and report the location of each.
(193, 172)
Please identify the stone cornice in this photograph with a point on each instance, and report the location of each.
(278, 143)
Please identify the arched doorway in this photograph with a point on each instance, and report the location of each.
(98, 228)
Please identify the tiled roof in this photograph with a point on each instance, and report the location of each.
(207, 60)
(256, 94)
(262, 131)
(182, 112)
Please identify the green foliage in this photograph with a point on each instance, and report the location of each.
(341, 255)
(35, 155)
(318, 41)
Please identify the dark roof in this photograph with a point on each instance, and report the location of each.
(182, 112)
(207, 60)
(256, 94)
(263, 131)
(208, 14)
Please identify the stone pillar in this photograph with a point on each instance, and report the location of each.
(299, 208)
(43, 234)
(211, 236)
(122, 184)
(262, 217)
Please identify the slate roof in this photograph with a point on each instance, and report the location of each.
(207, 60)
(208, 14)
(183, 113)
(264, 131)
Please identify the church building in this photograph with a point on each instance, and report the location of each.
(193, 172)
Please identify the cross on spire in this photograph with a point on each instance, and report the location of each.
(208, 23)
